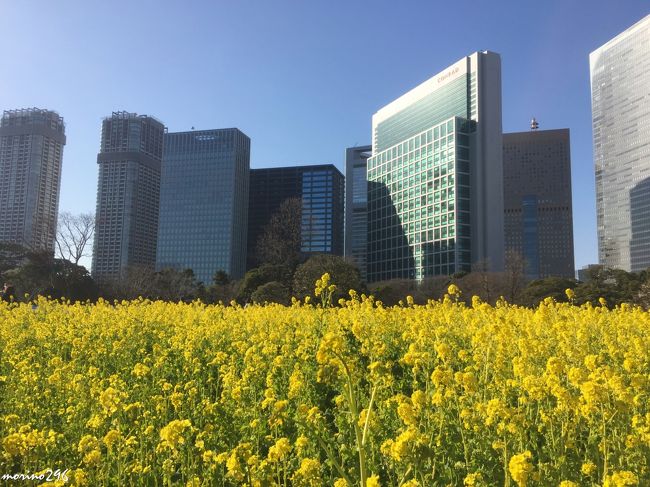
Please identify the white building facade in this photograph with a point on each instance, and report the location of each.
(620, 98)
(435, 178)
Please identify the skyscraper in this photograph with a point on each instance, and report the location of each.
(128, 194)
(435, 182)
(204, 202)
(31, 151)
(620, 103)
(356, 205)
(538, 219)
(321, 191)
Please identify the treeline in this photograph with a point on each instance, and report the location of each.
(611, 285)
(32, 274)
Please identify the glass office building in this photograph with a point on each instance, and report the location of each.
(538, 212)
(356, 206)
(419, 206)
(620, 102)
(128, 194)
(435, 188)
(321, 191)
(204, 202)
(31, 152)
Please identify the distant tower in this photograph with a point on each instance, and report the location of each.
(538, 214)
(31, 151)
(534, 125)
(204, 202)
(128, 194)
(356, 205)
(435, 182)
(322, 191)
(620, 107)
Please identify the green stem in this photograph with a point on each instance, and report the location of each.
(365, 426)
(355, 419)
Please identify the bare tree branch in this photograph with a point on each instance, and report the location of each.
(280, 243)
(73, 236)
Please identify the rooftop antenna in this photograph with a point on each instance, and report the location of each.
(534, 125)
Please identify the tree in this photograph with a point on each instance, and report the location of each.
(344, 274)
(616, 286)
(391, 292)
(272, 292)
(174, 285)
(221, 278)
(281, 240)
(167, 285)
(73, 235)
(480, 282)
(261, 275)
(39, 273)
(514, 279)
(12, 256)
(549, 287)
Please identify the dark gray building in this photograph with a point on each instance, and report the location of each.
(31, 152)
(538, 220)
(204, 202)
(321, 189)
(356, 205)
(128, 193)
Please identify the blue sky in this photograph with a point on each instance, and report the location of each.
(301, 78)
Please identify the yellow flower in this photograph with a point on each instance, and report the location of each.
(588, 469)
(140, 370)
(453, 290)
(111, 439)
(308, 474)
(172, 435)
(193, 482)
(621, 479)
(473, 479)
(520, 468)
(373, 481)
(279, 451)
(92, 458)
(110, 400)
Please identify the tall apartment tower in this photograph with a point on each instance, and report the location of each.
(356, 205)
(204, 202)
(321, 189)
(31, 151)
(435, 179)
(538, 221)
(128, 194)
(620, 103)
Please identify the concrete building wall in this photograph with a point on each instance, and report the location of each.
(356, 205)
(128, 194)
(31, 153)
(538, 211)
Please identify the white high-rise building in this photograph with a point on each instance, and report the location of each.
(620, 100)
(435, 178)
(31, 152)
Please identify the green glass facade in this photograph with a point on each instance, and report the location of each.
(458, 98)
(419, 203)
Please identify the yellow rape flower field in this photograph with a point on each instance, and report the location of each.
(154, 393)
